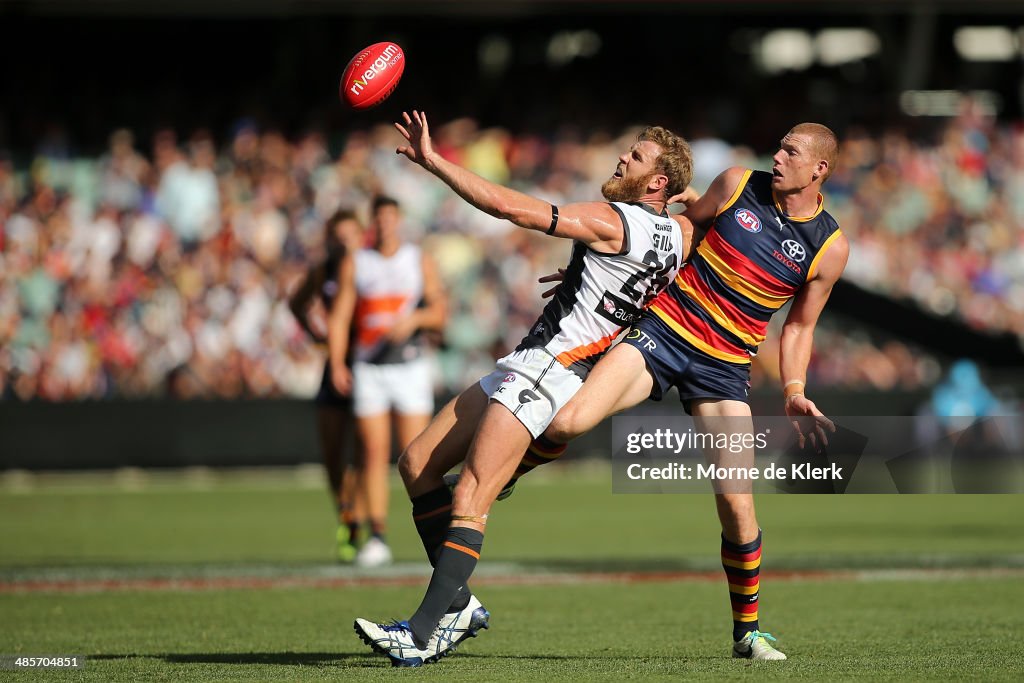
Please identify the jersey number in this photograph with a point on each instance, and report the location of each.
(658, 273)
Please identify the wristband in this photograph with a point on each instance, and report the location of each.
(554, 220)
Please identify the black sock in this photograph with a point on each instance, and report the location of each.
(455, 564)
(347, 518)
(432, 515)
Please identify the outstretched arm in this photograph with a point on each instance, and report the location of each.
(798, 339)
(596, 224)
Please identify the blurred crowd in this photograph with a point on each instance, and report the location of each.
(942, 225)
(163, 267)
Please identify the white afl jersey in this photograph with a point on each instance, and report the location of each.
(388, 288)
(602, 293)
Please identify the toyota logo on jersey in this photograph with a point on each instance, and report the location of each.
(794, 250)
(747, 220)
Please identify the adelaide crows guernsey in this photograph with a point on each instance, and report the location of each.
(602, 293)
(752, 261)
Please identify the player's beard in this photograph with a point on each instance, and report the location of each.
(625, 189)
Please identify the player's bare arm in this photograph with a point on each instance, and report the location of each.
(302, 300)
(339, 321)
(593, 223)
(798, 338)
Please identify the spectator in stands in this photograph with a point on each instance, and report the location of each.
(178, 267)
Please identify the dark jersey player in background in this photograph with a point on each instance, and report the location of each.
(335, 420)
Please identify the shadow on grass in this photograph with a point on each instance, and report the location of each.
(349, 659)
(247, 658)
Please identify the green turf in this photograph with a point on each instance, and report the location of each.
(567, 518)
(927, 627)
(878, 631)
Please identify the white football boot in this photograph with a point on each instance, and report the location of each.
(755, 646)
(396, 642)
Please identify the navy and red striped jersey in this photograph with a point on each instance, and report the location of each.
(753, 260)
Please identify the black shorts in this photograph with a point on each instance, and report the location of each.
(672, 361)
(328, 395)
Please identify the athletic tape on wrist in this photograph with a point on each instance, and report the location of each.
(476, 519)
(787, 391)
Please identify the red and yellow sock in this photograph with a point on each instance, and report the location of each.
(541, 452)
(742, 565)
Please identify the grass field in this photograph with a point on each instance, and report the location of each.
(201, 576)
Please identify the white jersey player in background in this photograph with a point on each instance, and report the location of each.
(398, 296)
(625, 250)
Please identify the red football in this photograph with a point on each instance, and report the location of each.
(372, 75)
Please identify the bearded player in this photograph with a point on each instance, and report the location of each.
(624, 252)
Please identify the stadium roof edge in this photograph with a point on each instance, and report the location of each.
(279, 8)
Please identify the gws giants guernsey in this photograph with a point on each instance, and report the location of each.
(388, 288)
(602, 293)
(751, 262)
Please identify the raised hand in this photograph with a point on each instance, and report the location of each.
(417, 134)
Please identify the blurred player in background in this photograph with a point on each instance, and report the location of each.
(331, 282)
(398, 297)
(624, 251)
(763, 239)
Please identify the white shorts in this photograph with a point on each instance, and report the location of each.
(406, 388)
(533, 385)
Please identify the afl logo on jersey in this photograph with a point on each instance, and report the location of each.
(747, 220)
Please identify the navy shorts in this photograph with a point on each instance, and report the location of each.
(672, 361)
(328, 395)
